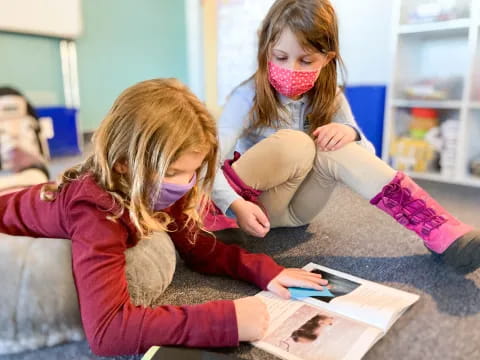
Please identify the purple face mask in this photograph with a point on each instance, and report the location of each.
(170, 193)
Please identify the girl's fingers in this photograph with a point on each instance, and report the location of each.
(321, 130)
(323, 135)
(306, 273)
(341, 143)
(303, 275)
(263, 219)
(325, 140)
(335, 140)
(307, 281)
(258, 231)
(316, 280)
(332, 136)
(255, 229)
(306, 284)
(314, 276)
(279, 290)
(318, 139)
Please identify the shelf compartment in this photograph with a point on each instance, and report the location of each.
(433, 157)
(472, 146)
(449, 26)
(431, 104)
(426, 71)
(475, 80)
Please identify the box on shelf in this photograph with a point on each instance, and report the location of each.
(422, 121)
(435, 88)
(426, 11)
(409, 154)
(475, 166)
(66, 139)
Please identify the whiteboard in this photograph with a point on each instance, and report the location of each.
(238, 23)
(56, 18)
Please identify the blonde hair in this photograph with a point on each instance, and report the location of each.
(315, 24)
(150, 126)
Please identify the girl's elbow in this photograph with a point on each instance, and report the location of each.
(109, 350)
(99, 350)
(109, 346)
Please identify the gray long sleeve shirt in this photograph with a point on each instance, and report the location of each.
(235, 120)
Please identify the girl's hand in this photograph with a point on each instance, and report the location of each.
(251, 218)
(334, 136)
(252, 318)
(295, 278)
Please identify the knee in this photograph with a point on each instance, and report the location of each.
(294, 148)
(326, 162)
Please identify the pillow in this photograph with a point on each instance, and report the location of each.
(38, 300)
(150, 268)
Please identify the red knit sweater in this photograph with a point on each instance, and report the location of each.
(112, 324)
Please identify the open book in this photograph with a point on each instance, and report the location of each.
(343, 325)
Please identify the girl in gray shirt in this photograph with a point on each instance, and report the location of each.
(298, 139)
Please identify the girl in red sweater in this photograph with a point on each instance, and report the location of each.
(154, 160)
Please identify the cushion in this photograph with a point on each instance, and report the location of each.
(38, 300)
(150, 268)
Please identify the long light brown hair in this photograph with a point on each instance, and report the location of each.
(149, 126)
(314, 22)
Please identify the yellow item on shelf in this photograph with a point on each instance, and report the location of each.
(409, 154)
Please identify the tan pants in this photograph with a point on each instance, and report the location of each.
(298, 180)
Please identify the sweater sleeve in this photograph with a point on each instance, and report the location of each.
(232, 123)
(23, 213)
(207, 255)
(345, 116)
(112, 324)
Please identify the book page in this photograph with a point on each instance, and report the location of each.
(299, 331)
(360, 299)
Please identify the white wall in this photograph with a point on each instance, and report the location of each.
(366, 39)
(194, 23)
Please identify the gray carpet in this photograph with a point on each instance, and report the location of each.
(354, 237)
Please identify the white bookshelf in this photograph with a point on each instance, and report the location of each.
(448, 49)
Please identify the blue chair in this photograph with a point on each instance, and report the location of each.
(368, 107)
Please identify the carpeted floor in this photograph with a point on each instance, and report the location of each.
(351, 236)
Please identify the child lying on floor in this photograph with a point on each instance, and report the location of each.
(154, 160)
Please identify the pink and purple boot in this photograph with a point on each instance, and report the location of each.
(411, 206)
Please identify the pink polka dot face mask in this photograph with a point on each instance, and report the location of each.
(291, 83)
